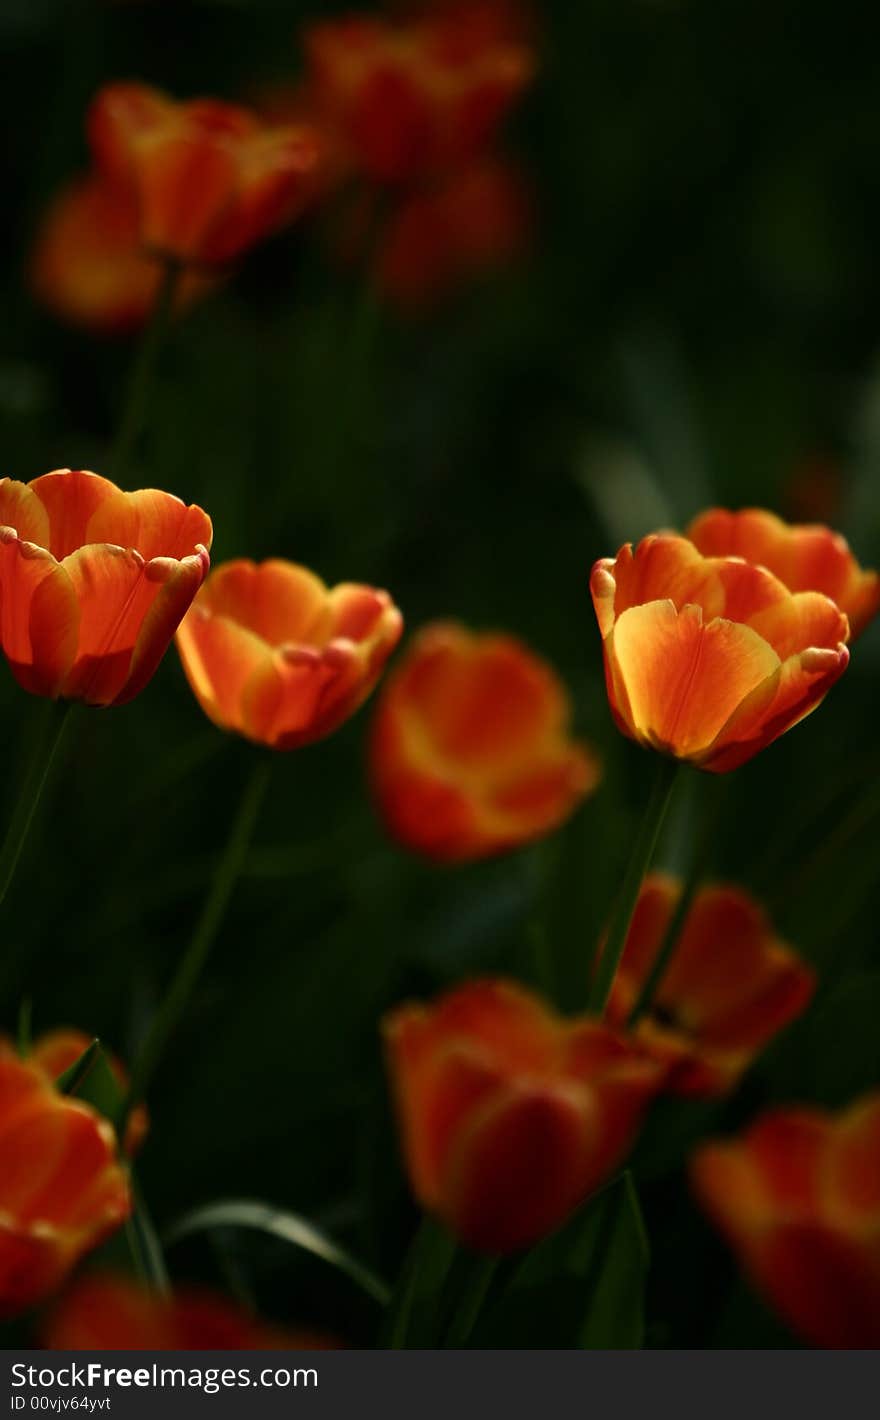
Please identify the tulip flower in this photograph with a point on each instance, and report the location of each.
(103, 1312)
(806, 557)
(510, 1115)
(730, 985)
(710, 659)
(93, 583)
(88, 265)
(55, 1051)
(276, 656)
(470, 752)
(798, 1199)
(210, 179)
(406, 101)
(62, 1190)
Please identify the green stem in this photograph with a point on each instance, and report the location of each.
(144, 1246)
(143, 371)
(47, 742)
(470, 1301)
(639, 863)
(194, 958)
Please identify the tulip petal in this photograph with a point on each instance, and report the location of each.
(278, 601)
(219, 656)
(39, 616)
(851, 1177)
(155, 524)
(71, 498)
(177, 584)
(21, 510)
(114, 595)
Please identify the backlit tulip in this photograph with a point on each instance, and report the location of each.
(471, 751)
(806, 557)
(798, 1199)
(710, 659)
(730, 986)
(511, 1115)
(93, 583)
(473, 222)
(103, 1312)
(62, 1190)
(56, 1050)
(88, 265)
(405, 101)
(210, 179)
(275, 655)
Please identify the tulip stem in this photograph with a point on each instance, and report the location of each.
(668, 945)
(639, 863)
(48, 740)
(196, 954)
(143, 370)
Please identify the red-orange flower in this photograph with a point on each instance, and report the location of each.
(730, 986)
(806, 557)
(406, 101)
(88, 265)
(798, 1199)
(56, 1050)
(277, 656)
(473, 221)
(710, 659)
(511, 1115)
(470, 751)
(62, 1190)
(93, 582)
(210, 178)
(102, 1312)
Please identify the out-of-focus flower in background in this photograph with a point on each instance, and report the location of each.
(805, 557)
(275, 655)
(93, 582)
(88, 265)
(730, 986)
(103, 1312)
(62, 1190)
(798, 1199)
(814, 490)
(511, 1115)
(406, 101)
(471, 751)
(209, 179)
(56, 1050)
(710, 659)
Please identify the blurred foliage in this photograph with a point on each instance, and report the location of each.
(699, 317)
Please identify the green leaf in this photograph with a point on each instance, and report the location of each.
(99, 1086)
(279, 1223)
(582, 1288)
(416, 1310)
(70, 1080)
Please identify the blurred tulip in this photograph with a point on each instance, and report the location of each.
(210, 179)
(273, 654)
(730, 986)
(710, 659)
(511, 1115)
(474, 221)
(61, 1189)
(806, 557)
(88, 265)
(470, 751)
(56, 1050)
(406, 101)
(102, 1312)
(93, 583)
(813, 491)
(798, 1199)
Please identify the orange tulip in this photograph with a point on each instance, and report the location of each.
(731, 984)
(710, 659)
(276, 656)
(472, 222)
(798, 1199)
(210, 179)
(93, 583)
(806, 557)
(511, 1115)
(61, 1189)
(470, 752)
(56, 1050)
(406, 101)
(106, 1313)
(89, 267)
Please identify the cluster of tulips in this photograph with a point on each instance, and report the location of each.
(715, 643)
